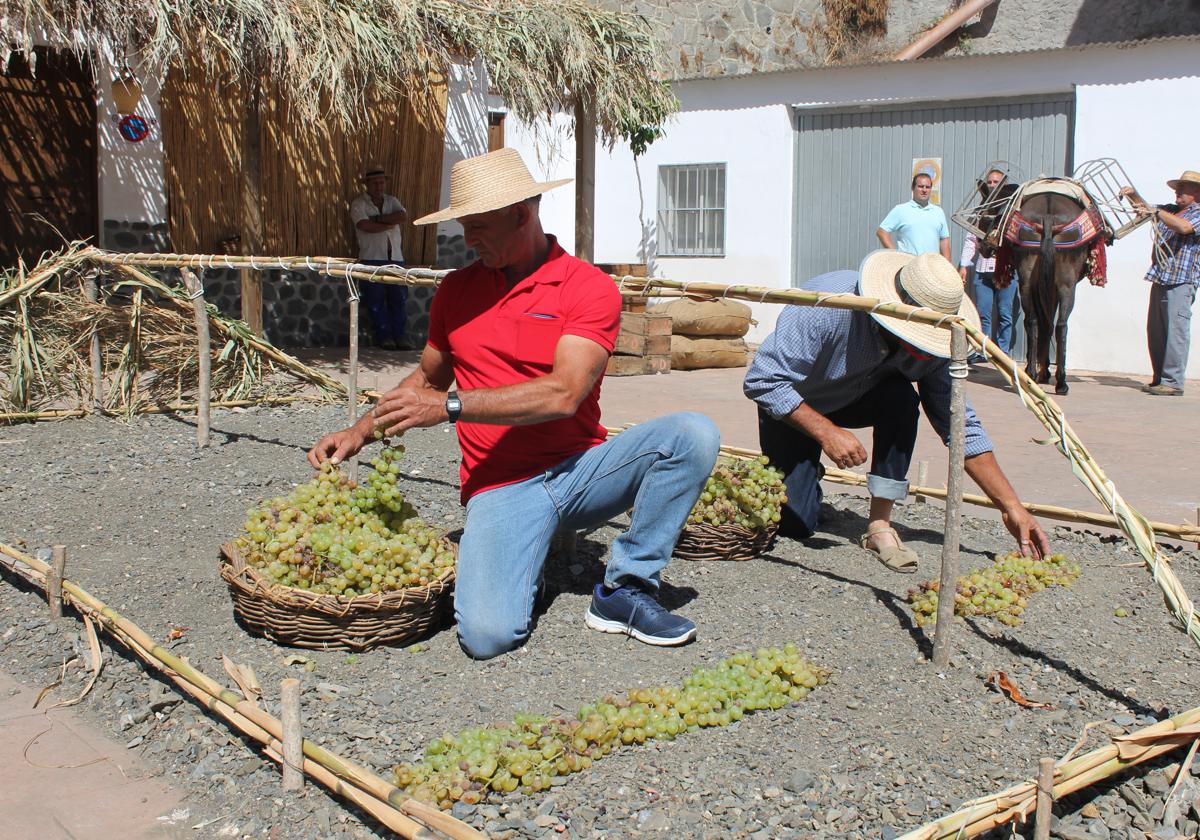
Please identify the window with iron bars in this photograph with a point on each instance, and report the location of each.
(691, 210)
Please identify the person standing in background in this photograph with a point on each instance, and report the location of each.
(990, 290)
(377, 216)
(917, 226)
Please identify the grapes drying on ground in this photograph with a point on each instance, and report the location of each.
(333, 537)
(747, 492)
(1000, 590)
(533, 751)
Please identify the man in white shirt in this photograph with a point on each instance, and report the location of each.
(377, 216)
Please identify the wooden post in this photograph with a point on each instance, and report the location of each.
(54, 579)
(352, 384)
(922, 480)
(1045, 799)
(91, 291)
(954, 492)
(251, 184)
(585, 181)
(293, 738)
(195, 287)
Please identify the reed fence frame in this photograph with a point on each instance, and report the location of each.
(1136, 527)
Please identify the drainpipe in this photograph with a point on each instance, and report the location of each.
(938, 33)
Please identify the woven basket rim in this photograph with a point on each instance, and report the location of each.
(240, 575)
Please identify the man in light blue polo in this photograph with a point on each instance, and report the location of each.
(917, 226)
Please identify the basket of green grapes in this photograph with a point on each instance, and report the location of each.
(737, 515)
(339, 565)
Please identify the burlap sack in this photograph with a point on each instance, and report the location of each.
(699, 353)
(725, 318)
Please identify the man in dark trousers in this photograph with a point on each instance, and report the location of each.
(824, 371)
(377, 216)
(524, 335)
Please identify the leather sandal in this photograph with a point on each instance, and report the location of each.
(896, 557)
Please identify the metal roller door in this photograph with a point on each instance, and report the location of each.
(855, 164)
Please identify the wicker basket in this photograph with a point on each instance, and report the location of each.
(724, 542)
(304, 619)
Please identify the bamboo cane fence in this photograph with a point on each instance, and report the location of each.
(384, 801)
(1133, 524)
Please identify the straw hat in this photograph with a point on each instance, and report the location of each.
(1191, 176)
(374, 172)
(489, 182)
(927, 280)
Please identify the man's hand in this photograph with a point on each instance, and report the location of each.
(962, 272)
(1031, 539)
(843, 448)
(409, 408)
(338, 446)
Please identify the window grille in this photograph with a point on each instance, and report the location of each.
(691, 210)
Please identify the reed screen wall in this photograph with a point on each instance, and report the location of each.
(310, 169)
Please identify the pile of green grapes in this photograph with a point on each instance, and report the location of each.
(333, 537)
(1000, 590)
(532, 751)
(747, 492)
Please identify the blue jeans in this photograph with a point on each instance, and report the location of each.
(387, 306)
(658, 468)
(987, 295)
(890, 409)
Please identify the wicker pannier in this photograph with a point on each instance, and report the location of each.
(724, 542)
(299, 618)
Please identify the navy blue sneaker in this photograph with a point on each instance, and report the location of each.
(632, 610)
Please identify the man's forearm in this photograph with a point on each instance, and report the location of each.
(985, 471)
(885, 239)
(526, 403)
(944, 247)
(810, 421)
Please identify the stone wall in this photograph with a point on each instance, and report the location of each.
(706, 39)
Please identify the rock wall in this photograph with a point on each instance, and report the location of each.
(706, 39)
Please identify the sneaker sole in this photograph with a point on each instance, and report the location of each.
(604, 625)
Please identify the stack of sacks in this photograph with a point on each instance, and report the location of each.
(707, 334)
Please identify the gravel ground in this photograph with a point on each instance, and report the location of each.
(888, 745)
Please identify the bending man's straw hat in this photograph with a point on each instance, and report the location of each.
(1189, 176)
(926, 280)
(489, 182)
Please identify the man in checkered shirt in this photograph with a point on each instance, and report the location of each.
(1169, 321)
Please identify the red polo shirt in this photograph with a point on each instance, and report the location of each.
(499, 336)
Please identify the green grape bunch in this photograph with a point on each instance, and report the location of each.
(746, 492)
(333, 537)
(534, 752)
(1000, 591)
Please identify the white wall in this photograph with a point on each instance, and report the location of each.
(1128, 107)
(132, 181)
(466, 126)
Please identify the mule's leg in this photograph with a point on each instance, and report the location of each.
(1066, 302)
(1025, 277)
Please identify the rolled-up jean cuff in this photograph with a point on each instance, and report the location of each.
(887, 488)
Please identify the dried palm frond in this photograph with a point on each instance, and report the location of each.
(326, 54)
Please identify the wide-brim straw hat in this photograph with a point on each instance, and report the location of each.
(1190, 176)
(489, 182)
(925, 280)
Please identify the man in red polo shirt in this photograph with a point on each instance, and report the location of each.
(524, 335)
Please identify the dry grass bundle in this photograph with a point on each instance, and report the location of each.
(148, 344)
(330, 53)
(847, 27)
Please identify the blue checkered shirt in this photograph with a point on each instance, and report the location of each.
(830, 358)
(1184, 266)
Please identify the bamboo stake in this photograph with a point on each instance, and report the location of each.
(67, 413)
(1045, 799)
(293, 752)
(54, 579)
(91, 292)
(954, 489)
(922, 478)
(187, 676)
(195, 288)
(352, 383)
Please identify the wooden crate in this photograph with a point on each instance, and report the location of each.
(623, 269)
(643, 346)
(631, 344)
(645, 323)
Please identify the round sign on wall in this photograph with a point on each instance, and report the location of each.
(133, 128)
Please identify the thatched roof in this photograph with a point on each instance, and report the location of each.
(540, 54)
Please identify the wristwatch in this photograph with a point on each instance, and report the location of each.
(453, 407)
